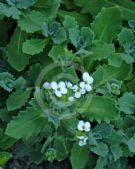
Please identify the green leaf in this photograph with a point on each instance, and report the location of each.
(26, 124)
(131, 144)
(115, 59)
(9, 11)
(59, 36)
(17, 99)
(70, 22)
(34, 46)
(126, 35)
(104, 129)
(21, 4)
(107, 24)
(100, 163)
(61, 149)
(31, 21)
(101, 51)
(4, 157)
(17, 59)
(7, 81)
(127, 103)
(48, 8)
(100, 149)
(79, 156)
(105, 73)
(116, 151)
(98, 108)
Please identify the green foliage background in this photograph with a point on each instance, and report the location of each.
(77, 35)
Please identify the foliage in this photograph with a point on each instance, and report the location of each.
(87, 44)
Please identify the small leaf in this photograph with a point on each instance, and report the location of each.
(131, 144)
(79, 156)
(116, 151)
(127, 103)
(33, 46)
(17, 99)
(4, 157)
(100, 149)
(60, 36)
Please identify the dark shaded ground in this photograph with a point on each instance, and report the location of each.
(24, 164)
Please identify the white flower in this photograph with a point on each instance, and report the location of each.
(84, 126)
(80, 125)
(71, 98)
(81, 137)
(54, 85)
(82, 85)
(90, 80)
(63, 90)
(58, 93)
(61, 84)
(83, 142)
(82, 91)
(87, 78)
(69, 85)
(87, 126)
(88, 87)
(75, 88)
(77, 95)
(46, 85)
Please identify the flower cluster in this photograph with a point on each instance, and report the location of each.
(67, 88)
(83, 128)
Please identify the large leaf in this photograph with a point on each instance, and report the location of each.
(79, 156)
(33, 46)
(31, 21)
(127, 103)
(98, 108)
(17, 99)
(28, 123)
(107, 24)
(17, 59)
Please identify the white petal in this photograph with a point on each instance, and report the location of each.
(88, 87)
(87, 126)
(58, 93)
(85, 76)
(82, 91)
(82, 143)
(46, 85)
(62, 84)
(90, 80)
(63, 90)
(81, 137)
(77, 95)
(54, 85)
(80, 125)
(69, 85)
(82, 85)
(71, 98)
(75, 88)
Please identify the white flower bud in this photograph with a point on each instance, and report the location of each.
(82, 91)
(61, 85)
(75, 88)
(90, 80)
(71, 98)
(85, 76)
(80, 125)
(88, 87)
(69, 85)
(77, 95)
(54, 85)
(58, 93)
(82, 85)
(63, 90)
(46, 85)
(87, 126)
